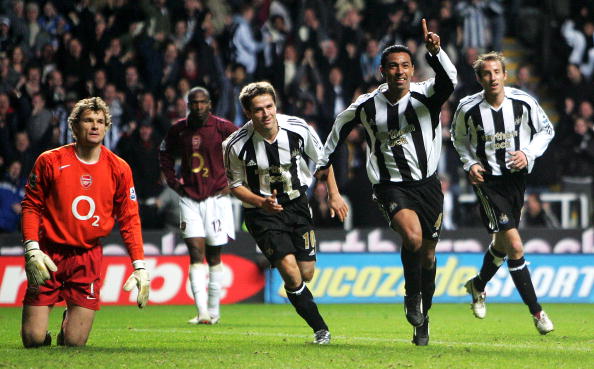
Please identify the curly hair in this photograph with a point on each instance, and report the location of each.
(95, 104)
(255, 89)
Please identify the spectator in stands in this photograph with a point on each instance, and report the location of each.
(54, 88)
(119, 116)
(6, 41)
(40, 121)
(180, 36)
(18, 24)
(474, 24)
(9, 78)
(76, 66)
(141, 152)
(320, 209)
(37, 36)
(99, 42)
(524, 80)
(159, 19)
(336, 99)
(578, 160)
(311, 33)
(8, 120)
(449, 204)
(52, 22)
(575, 85)
(149, 111)
(29, 87)
(23, 152)
(97, 85)
(370, 61)
(466, 75)
(171, 65)
(246, 45)
(537, 214)
(133, 88)
(12, 191)
(581, 43)
(115, 60)
(586, 111)
(18, 60)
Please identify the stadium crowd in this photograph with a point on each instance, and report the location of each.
(142, 57)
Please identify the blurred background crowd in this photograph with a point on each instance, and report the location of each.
(143, 56)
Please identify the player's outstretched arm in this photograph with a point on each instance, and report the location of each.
(141, 279)
(432, 40)
(37, 264)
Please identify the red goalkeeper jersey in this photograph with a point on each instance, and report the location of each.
(73, 203)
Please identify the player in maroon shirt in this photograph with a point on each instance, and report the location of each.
(206, 216)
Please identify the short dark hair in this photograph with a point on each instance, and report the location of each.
(396, 49)
(255, 89)
(197, 90)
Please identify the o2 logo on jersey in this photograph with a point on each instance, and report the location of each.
(90, 212)
(200, 167)
(132, 194)
(86, 180)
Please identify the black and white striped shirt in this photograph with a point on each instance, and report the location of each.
(404, 139)
(283, 165)
(483, 135)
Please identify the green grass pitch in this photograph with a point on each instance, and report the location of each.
(273, 336)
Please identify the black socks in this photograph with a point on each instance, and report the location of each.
(411, 265)
(302, 300)
(521, 277)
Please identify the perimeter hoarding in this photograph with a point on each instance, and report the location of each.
(378, 278)
(349, 261)
(242, 280)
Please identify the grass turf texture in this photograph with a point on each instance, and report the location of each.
(273, 336)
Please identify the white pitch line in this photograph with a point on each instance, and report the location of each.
(561, 347)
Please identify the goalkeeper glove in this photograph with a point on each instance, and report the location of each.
(37, 264)
(141, 279)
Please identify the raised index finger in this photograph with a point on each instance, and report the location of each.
(425, 30)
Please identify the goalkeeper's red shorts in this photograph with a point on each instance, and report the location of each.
(77, 281)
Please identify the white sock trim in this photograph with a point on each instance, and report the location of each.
(517, 268)
(298, 292)
(498, 261)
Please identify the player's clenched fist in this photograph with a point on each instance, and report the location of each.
(37, 264)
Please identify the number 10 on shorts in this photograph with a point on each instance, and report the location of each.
(309, 238)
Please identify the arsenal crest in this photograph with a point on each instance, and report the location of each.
(86, 180)
(196, 141)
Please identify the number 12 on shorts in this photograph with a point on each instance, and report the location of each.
(309, 239)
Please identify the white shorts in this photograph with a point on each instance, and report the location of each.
(211, 218)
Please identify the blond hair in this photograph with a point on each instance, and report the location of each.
(479, 63)
(255, 89)
(95, 104)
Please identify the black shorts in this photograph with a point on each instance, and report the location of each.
(501, 199)
(288, 232)
(424, 197)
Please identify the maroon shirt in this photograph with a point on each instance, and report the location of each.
(201, 153)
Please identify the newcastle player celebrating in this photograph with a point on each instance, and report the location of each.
(403, 131)
(499, 132)
(267, 164)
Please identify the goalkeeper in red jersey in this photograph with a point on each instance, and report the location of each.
(73, 196)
